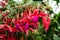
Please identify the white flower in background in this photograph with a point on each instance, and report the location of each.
(18, 1)
(55, 7)
(1, 0)
(44, 0)
(52, 15)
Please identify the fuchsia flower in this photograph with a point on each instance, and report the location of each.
(46, 23)
(45, 19)
(27, 22)
(35, 15)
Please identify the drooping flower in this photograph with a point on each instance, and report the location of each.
(26, 27)
(46, 23)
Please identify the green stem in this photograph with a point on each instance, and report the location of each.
(57, 22)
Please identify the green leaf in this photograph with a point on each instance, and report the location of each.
(58, 27)
(57, 1)
(55, 37)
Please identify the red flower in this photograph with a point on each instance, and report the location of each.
(21, 28)
(41, 14)
(7, 27)
(25, 14)
(35, 11)
(26, 27)
(14, 29)
(46, 23)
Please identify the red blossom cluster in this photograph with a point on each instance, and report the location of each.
(27, 22)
